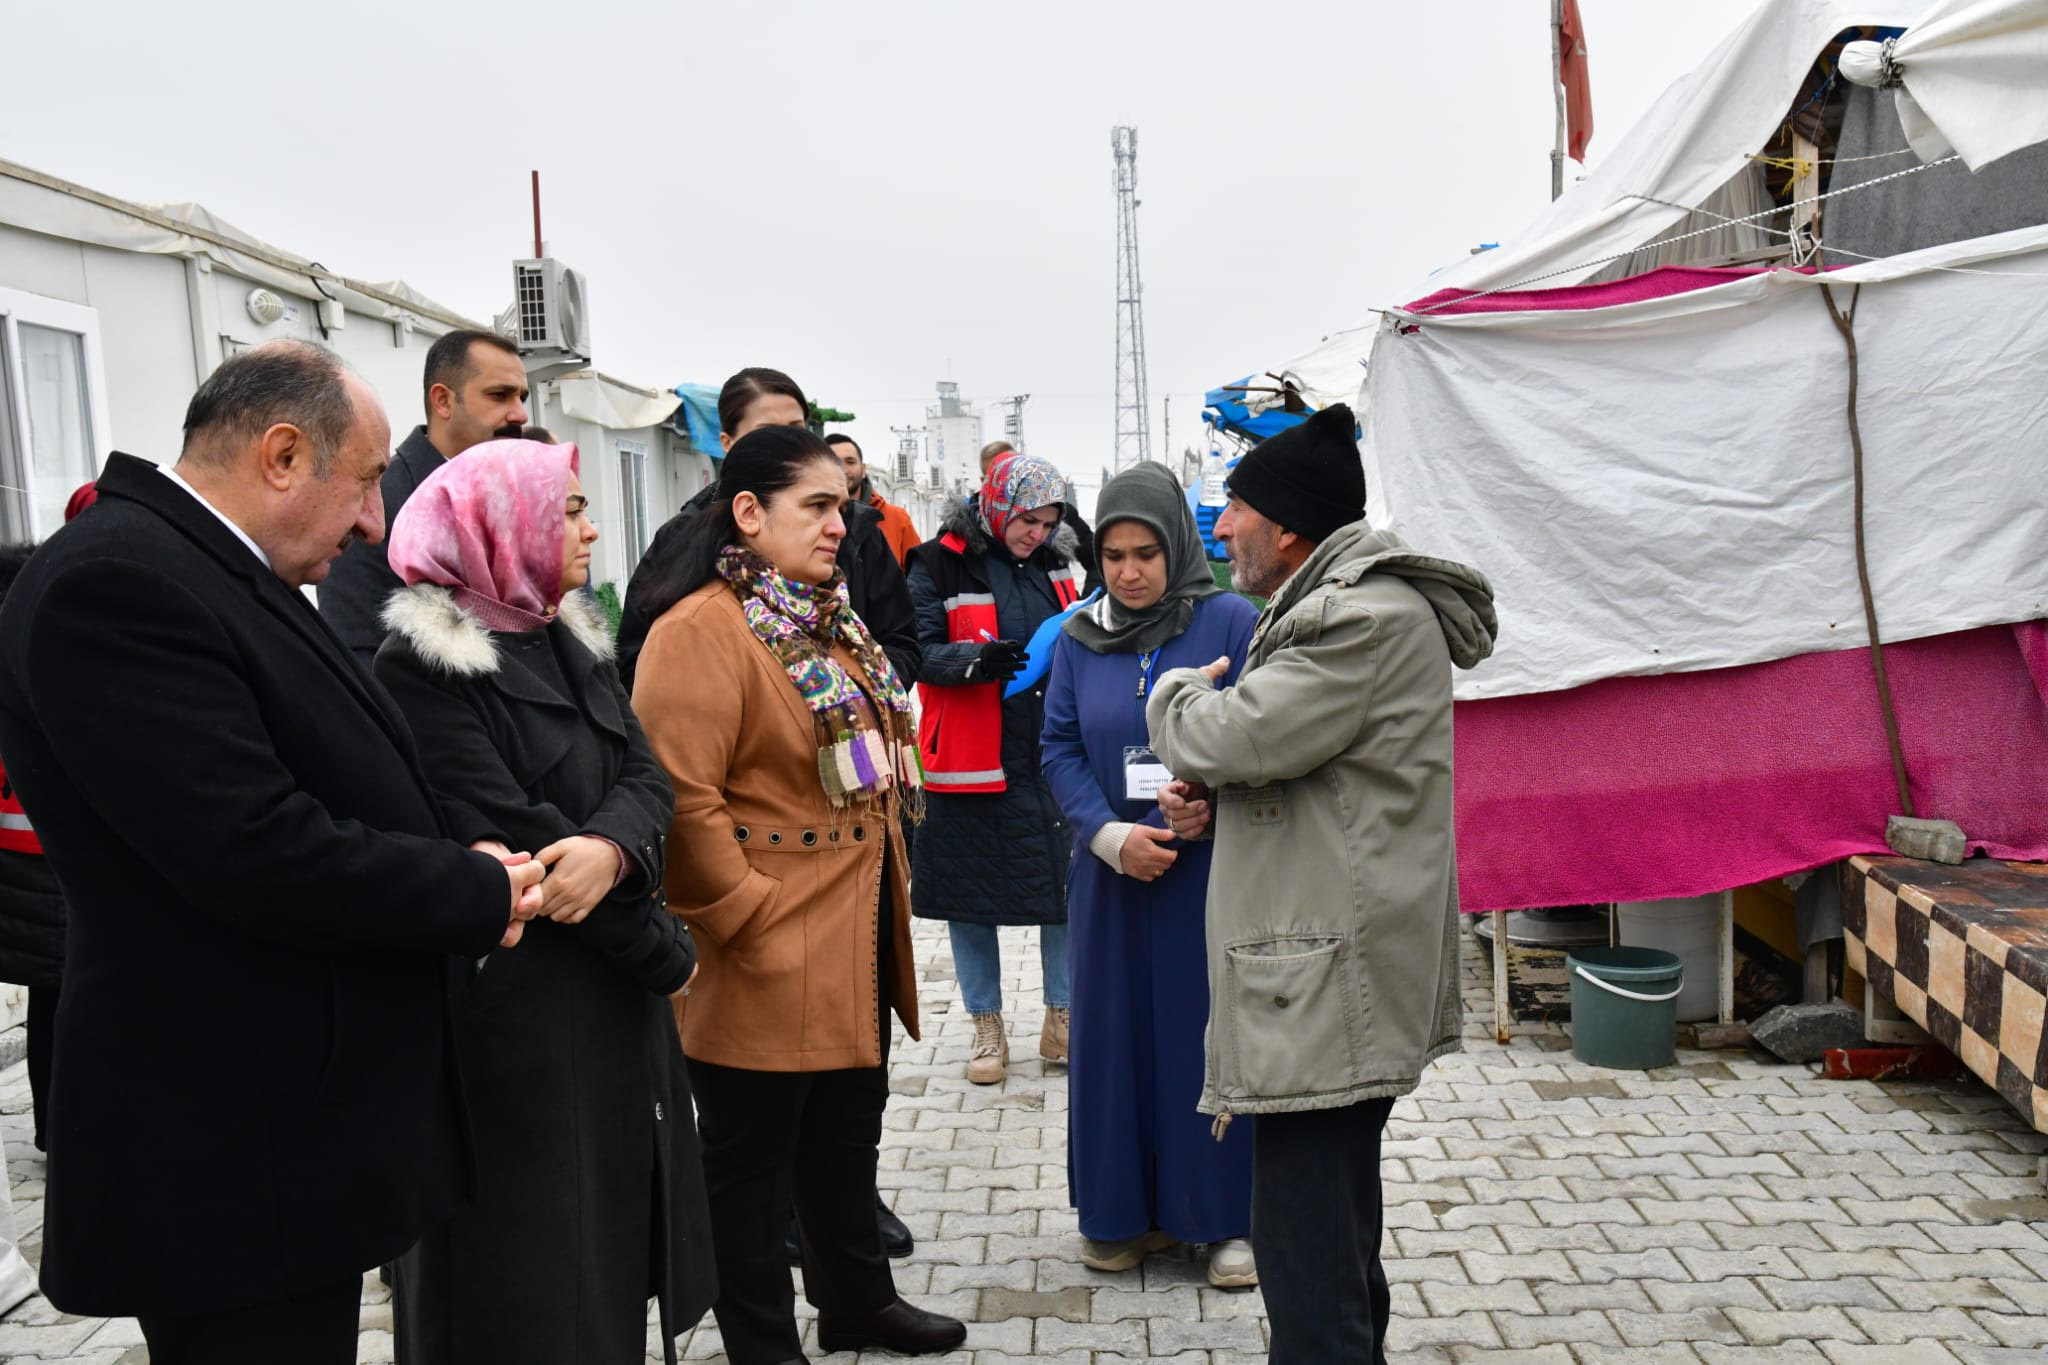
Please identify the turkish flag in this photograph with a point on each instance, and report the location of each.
(1578, 84)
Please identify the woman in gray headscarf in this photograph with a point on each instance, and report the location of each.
(1145, 1171)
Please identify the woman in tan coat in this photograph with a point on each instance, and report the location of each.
(788, 739)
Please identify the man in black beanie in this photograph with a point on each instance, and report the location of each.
(1333, 894)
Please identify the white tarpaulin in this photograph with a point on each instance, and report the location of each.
(1665, 485)
(1974, 74)
(1703, 130)
(616, 406)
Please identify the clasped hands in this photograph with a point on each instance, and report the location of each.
(564, 881)
(1186, 804)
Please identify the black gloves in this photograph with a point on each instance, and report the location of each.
(998, 661)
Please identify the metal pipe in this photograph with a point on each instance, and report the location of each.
(1557, 95)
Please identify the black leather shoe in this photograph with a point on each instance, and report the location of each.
(896, 1238)
(901, 1327)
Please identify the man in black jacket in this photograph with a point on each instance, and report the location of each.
(874, 584)
(475, 392)
(256, 1096)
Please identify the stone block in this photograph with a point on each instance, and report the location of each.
(1804, 1033)
(1940, 841)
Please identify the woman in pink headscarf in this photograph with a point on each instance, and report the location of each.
(590, 1194)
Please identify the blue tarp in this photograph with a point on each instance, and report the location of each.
(700, 417)
(1225, 408)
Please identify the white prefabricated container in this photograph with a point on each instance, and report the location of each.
(1690, 927)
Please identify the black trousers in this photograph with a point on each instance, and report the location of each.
(1316, 1225)
(317, 1327)
(42, 1037)
(808, 1137)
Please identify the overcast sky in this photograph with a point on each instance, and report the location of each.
(871, 195)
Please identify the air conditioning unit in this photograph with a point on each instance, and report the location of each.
(550, 317)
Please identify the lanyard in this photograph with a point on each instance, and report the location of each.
(1145, 661)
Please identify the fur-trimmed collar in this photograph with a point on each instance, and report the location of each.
(1065, 542)
(454, 641)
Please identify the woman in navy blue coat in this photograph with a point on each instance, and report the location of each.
(1143, 1168)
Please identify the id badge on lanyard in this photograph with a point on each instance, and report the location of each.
(1144, 774)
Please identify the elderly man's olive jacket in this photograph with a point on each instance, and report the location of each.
(1333, 900)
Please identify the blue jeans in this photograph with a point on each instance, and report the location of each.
(978, 965)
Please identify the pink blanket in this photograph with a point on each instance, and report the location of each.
(1662, 282)
(1642, 788)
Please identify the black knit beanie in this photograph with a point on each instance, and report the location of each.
(1307, 479)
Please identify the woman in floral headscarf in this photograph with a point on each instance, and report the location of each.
(994, 847)
(590, 1196)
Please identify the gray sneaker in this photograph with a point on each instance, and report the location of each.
(1231, 1265)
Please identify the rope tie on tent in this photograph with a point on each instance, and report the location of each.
(1798, 165)
(1892, 75)
(1794, 162)
(1845, 323)
(1685, 236)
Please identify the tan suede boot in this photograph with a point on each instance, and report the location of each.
(1052, 1038)
(990, 1059)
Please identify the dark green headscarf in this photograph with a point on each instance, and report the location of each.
(1148, 494)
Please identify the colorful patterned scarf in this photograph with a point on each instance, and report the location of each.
(799, 623)
(1014, 485)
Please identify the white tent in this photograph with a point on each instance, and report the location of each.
(1663, 484)
(1971, 76)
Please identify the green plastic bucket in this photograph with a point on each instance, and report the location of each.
(1625, 1006)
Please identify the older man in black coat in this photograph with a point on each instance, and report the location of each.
(254, 1097)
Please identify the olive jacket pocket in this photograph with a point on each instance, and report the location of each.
(1292, 1020)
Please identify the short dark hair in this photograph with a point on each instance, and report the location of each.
(448, 360)
(840, 438)
(756, 381)
(541, 434)
(279, 381)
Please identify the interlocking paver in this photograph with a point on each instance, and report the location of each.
(1722, 1209)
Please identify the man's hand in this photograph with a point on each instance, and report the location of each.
(1145, 855)
(523, 875)
(1186, 806)
(1215, 670)
(581, 871)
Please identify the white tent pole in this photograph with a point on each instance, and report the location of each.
(1557, 94)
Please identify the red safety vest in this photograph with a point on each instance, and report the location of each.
(960, 733)
(17, 835)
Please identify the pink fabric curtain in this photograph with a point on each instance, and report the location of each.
(1678, 785)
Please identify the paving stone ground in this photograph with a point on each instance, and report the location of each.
(1723, 1209)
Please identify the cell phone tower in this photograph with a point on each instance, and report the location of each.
(1133, 399)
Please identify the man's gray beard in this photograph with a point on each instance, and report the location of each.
(1243, 581)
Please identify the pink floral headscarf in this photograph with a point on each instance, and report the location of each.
(488, 524)
(1016, 484)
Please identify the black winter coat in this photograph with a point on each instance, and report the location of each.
(991, 857)
(31, 903)
(591, 1188)
(254, 1092)
(874, 585)
(359, 583)
(31, 921)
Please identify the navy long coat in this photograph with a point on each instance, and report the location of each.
(1138, 1155)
